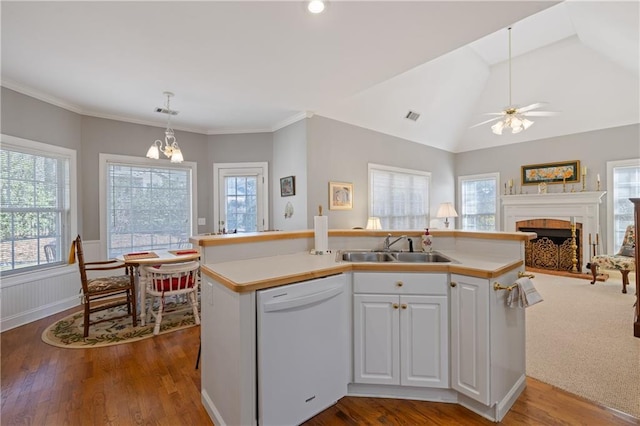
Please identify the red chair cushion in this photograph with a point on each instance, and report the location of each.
(174, 283)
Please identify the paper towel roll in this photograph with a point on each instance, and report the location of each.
(320, 229)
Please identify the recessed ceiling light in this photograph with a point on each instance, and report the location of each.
(316, 6)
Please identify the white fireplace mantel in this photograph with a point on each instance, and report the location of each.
(583, 207)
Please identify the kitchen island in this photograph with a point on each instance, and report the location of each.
(430, 331)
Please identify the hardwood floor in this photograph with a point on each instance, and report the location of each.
(154, 382)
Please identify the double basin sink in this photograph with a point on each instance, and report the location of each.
(385, 256)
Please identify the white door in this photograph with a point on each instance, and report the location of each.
(241, 197)
(470, 369)
(424, 341)
(376, 339)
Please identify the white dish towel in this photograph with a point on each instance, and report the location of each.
(524, 294)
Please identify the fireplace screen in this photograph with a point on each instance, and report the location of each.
(553, 249)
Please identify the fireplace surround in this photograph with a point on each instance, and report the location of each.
(583, 207)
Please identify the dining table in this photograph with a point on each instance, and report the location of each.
(154, 257)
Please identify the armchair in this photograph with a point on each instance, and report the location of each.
(623, 261)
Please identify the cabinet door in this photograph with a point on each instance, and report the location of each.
(376, 339)
(424, 341)
(470, 337)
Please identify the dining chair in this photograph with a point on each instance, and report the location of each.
(172, 280)
(103, 293)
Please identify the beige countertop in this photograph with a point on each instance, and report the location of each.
(259, 273)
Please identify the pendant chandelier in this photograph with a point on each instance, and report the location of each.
(170, 148)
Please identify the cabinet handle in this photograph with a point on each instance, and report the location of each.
(395, 306)
(452, 284)
(404, 306)
(399, 283)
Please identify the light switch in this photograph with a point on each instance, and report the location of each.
(202, 221)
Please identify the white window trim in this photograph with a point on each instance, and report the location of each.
(40, 148)
(481, 176)
(219, 167)
(104, 159)
(610, 166)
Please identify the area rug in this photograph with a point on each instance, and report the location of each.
(68, 332)
(580, 339)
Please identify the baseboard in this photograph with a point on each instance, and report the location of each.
(503, 407)
(214, 415)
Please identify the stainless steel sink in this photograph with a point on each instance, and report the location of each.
(378, 256)
(420, 257)
(367, 256)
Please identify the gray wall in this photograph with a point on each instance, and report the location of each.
(334, 151)
(338, 151)
(290, 159)
(100, 135)
(593, 149)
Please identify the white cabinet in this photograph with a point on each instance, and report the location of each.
(487, 344)
(401, 329)
(470, 337)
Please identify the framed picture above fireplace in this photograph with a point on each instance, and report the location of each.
(562, 172)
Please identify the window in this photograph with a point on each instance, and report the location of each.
(241, 197)
(399, 197)
(149, 204)
(479, 202)
(623, 182)
(38, 216)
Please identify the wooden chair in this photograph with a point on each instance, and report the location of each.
(623, 261)
(102, 293)
(172, 280)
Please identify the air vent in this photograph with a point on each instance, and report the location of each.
(412, 115)
(164, 110)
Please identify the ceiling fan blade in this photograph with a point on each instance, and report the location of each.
(532, 106)
(485, 122)
(540, 113)
(493, 113)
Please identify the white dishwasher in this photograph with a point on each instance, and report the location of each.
(302, 349)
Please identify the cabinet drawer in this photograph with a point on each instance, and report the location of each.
(400, 283)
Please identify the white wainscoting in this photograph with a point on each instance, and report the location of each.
(32, 296)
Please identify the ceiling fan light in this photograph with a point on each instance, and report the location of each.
(515, 123)
(517, 129)
(497, 128)
(526, 123)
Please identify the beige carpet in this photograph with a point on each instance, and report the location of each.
(580, 339)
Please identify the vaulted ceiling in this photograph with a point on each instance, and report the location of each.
(256, 66)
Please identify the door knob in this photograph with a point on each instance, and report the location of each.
(404, 306)
(399, 283)
(452, 284)
(395, 306)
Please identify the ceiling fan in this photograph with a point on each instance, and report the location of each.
(514, 117)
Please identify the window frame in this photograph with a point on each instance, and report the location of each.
(611, 165)
(105, 159)
(480, 176)
(371, 167)
(69, 226)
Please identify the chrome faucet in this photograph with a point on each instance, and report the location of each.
(387, 245)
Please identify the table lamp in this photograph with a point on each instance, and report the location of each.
(373, 223)
(446, 210)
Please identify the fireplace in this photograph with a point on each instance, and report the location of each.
(556, 211)
(553, 249)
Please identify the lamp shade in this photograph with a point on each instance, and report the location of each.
(373, 223)
(446, 210)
